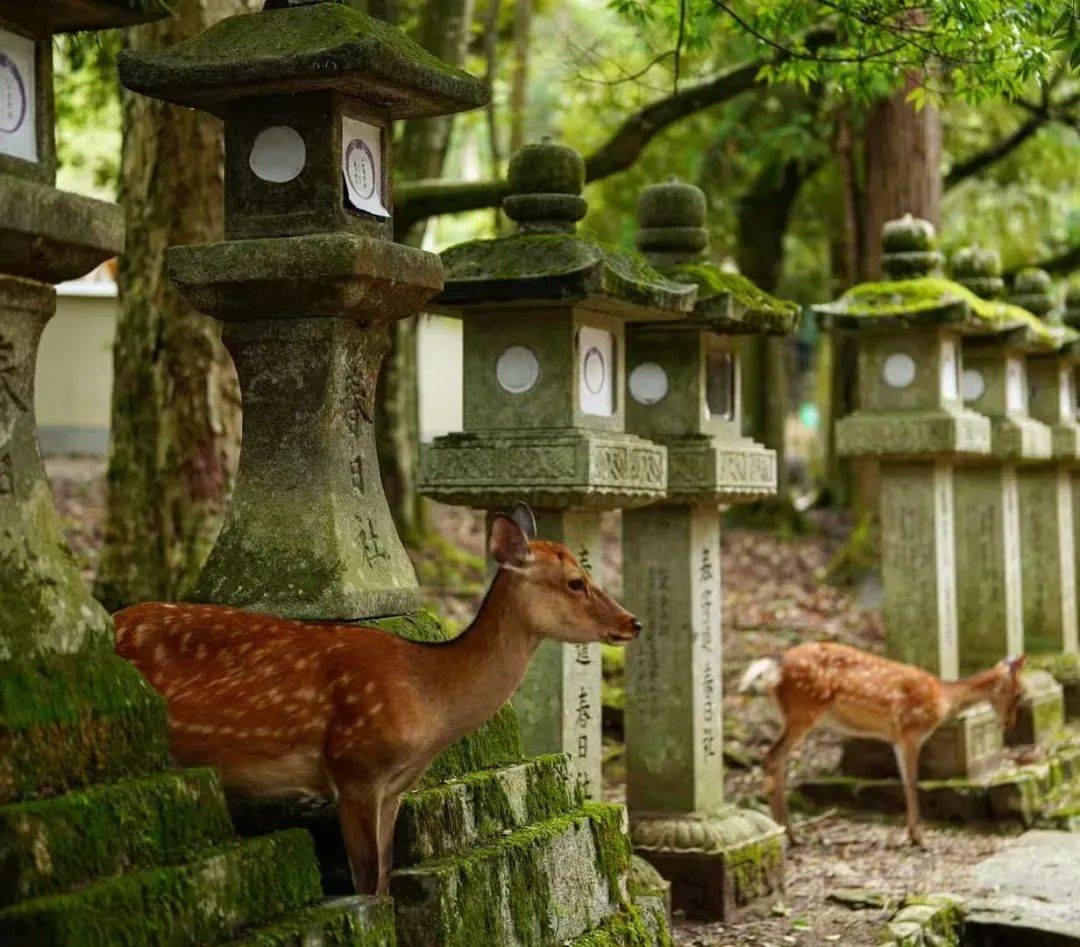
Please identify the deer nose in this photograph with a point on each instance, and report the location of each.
(636, 626)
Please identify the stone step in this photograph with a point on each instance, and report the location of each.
(212, 898)
(546, 883)
(356, 921)
(51, 845)
(482, 807)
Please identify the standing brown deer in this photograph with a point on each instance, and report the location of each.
(284, 707)
(863, 695)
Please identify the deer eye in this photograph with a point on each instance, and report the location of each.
(576, 585)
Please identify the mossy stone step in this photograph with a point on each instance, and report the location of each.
(50, 845)
(544, 884)
(636, 925)
(210, 899)
(482, 807)
(356, 921)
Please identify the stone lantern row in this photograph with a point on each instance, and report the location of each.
(967, 402)
(597, 381)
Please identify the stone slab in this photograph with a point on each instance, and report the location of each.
(1031, 893)
(358, 921)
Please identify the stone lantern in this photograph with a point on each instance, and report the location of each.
(544, 315)
(307, 282)
(683, 392)
(912, 420)
(59, 677)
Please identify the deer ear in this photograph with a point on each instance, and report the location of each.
(523, 516)
(507, 542)
(1016, 665)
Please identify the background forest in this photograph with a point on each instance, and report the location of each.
(807, 124)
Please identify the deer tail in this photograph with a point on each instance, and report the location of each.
(760, 678)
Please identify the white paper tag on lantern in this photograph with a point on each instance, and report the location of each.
(361, 163)
(596, 361)
(18, 107)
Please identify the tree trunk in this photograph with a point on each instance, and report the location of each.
(762, 215)
(519, 81)
(421, 153)
(903, 170)
(175, 403)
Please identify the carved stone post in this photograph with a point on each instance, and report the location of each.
(683, 392)
(544, 313)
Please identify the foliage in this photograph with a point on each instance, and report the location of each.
(973, 50)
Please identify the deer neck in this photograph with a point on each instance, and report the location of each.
(969, 690)
(477, 672)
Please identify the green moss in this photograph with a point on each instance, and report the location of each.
(754, 868)
(932, 295)
(934, 919)
(68, 721)
(202, 902)
(859, 556)
(758, 310)
(555, 266)
(631, 927)
(52, 845)
(347, 922)
(1064, 666)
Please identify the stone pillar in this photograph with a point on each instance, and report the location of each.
(544, 314)
(59, 678)
(683, 392)
(911, 418)
(1048, 573)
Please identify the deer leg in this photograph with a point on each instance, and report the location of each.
(359, 810)
(387, 820)
(776, 770)
(907, 760)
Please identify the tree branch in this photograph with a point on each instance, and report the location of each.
(415, 201)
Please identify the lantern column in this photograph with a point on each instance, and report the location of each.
(544, 312)
(683, 392)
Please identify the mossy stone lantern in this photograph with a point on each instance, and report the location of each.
(544, 312)
(911, 420)
(307, 282)
(683, 392)
(59, 677)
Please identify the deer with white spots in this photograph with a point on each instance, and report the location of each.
(284, 707)
(863, 695)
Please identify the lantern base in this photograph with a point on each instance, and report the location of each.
(715, 863)
(931, 435)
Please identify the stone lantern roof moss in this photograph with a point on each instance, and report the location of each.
(558, 267)
(730, 303)
(321, 47)
(933, 299)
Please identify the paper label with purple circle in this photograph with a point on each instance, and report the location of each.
(361, 163)
(18, 119)
(596, 383)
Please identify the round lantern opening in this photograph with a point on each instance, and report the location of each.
(517, 369)
(648, 383)
(899, 370)
(278, 154)
(974, 384)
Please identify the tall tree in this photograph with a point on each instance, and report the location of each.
(175, 406)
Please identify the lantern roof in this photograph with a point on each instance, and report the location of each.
(327, 46)
(69, 16)
(547, 261)
(672, 234)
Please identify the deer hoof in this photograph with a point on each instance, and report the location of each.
(918, 841)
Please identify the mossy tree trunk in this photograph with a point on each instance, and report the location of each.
(421, 153)
(175, 407)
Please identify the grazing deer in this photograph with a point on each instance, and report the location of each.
(285, 707)
(863, 695)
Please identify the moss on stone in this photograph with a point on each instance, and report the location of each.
(205, 901)
(68, 721)
(613, 848)
(1064, 666)
(557, 266)
(52, 845)
(344, 922)
(631, 927)
(321, 46)
(929, 920)
(754, 309)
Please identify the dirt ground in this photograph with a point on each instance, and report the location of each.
(774, 596)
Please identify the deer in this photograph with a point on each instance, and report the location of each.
(350, 712)
(859, 694)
